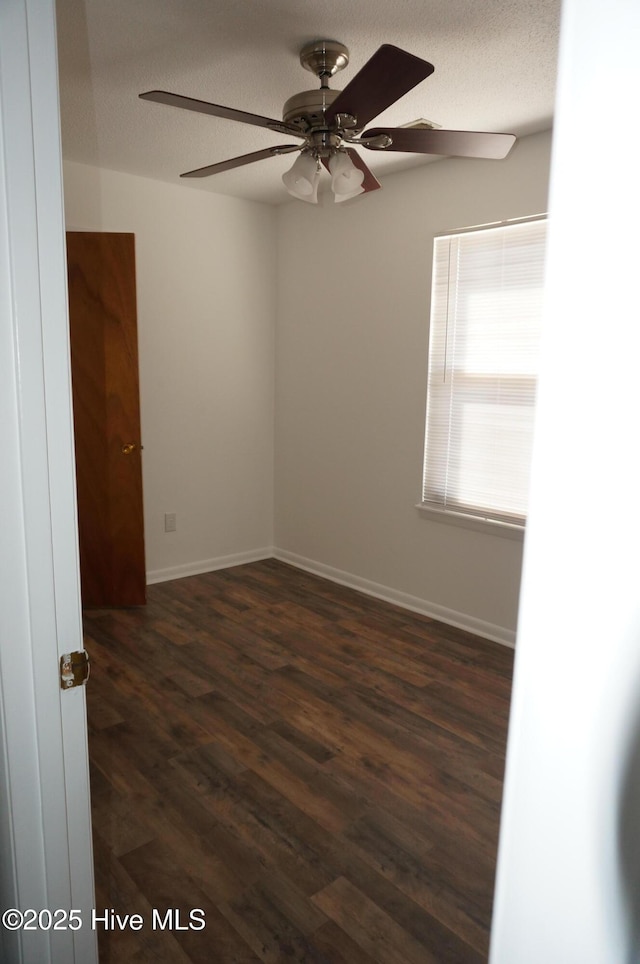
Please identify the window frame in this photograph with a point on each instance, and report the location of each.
(447, 511)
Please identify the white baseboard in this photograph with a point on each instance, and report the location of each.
(208, 565)
(471, 624)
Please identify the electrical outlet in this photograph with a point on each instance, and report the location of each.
(170, 522)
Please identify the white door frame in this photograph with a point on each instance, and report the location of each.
(46, 856)
(569, 857)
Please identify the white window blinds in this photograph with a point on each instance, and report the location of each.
(483, 359)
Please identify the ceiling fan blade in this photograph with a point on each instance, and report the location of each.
(217, 110)
(240, 161)
(416, 140)
(385, 77)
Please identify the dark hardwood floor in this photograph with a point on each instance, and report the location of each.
(318, 772)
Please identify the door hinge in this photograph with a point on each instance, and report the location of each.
(74, 669)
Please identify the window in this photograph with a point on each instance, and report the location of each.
(483, 357)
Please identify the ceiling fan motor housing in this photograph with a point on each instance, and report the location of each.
(306, 110)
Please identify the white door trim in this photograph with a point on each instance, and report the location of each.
(45, 832)
(569, 856)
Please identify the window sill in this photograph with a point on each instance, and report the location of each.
(504, 529)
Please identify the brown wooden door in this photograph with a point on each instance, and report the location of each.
(106, 412)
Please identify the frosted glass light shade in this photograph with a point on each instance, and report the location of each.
(346, 179)
(301, 181)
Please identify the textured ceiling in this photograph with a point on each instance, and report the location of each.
(495, 69)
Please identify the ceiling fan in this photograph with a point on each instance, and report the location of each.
(331, 123)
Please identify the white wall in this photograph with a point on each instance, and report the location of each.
(206, 274)
(353, 288)
(350, 286)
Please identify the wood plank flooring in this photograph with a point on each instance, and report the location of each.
(318, 772)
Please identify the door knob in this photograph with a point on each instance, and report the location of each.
(128, 448)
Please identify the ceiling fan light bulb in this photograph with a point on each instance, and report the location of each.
(301, 181)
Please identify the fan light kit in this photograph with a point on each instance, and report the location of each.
(331, 123)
